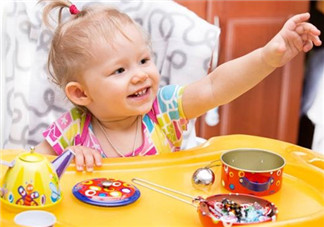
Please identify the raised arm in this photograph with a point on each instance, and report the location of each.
(233, 78)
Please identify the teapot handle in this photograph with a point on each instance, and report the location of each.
(9, 164)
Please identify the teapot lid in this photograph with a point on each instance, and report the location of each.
(31, 156)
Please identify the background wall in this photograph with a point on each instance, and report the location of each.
(271, 109)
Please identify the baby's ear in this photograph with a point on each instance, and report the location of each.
(76, 94)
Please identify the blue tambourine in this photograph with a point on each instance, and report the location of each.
(106, 192)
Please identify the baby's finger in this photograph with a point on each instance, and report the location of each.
(97, 157)
(315, 39)
(299, 43)
(307, 28)
(309, 33)
(304, 37)
(89, 161)
(296, 42)
(79, 158)
(308, 45)
(299, 18)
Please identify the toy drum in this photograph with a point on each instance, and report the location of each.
(252, 171)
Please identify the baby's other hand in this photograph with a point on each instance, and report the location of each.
(85, 156)
(295, 36)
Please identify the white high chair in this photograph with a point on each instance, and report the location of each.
(313, 98)
(183, 45)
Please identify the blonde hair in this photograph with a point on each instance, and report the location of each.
(72, 41)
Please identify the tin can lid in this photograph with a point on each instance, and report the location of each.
(106, 192)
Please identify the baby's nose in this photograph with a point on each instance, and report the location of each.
(139, 76)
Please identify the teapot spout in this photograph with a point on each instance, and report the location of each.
(62, 162)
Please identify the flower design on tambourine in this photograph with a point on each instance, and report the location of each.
(106, 192)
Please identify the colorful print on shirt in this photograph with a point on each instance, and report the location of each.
(162, 127)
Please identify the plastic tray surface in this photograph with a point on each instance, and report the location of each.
(300, 200)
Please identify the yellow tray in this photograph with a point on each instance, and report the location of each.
(300, 201)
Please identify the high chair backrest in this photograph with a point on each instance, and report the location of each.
(183, 45)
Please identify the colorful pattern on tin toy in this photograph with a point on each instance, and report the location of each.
(231, 212)
(106, 192)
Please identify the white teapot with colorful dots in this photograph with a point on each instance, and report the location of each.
(32, 182)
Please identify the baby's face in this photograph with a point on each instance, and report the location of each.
(122, 80)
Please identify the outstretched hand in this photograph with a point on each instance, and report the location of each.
(295, 36)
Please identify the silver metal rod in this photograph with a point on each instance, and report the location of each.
(210, 165)
(148, 185)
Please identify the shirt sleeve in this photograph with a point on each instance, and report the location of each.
(169, 113)
(66, 130)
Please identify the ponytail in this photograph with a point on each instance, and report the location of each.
(73, 39)
(60, 4)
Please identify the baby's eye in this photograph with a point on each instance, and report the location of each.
(118, 71)
(144, 60)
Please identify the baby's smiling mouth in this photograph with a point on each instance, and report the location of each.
(140, 93)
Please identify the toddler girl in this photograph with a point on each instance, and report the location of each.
(103, 61)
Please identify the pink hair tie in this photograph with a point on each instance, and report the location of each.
(74, 10)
